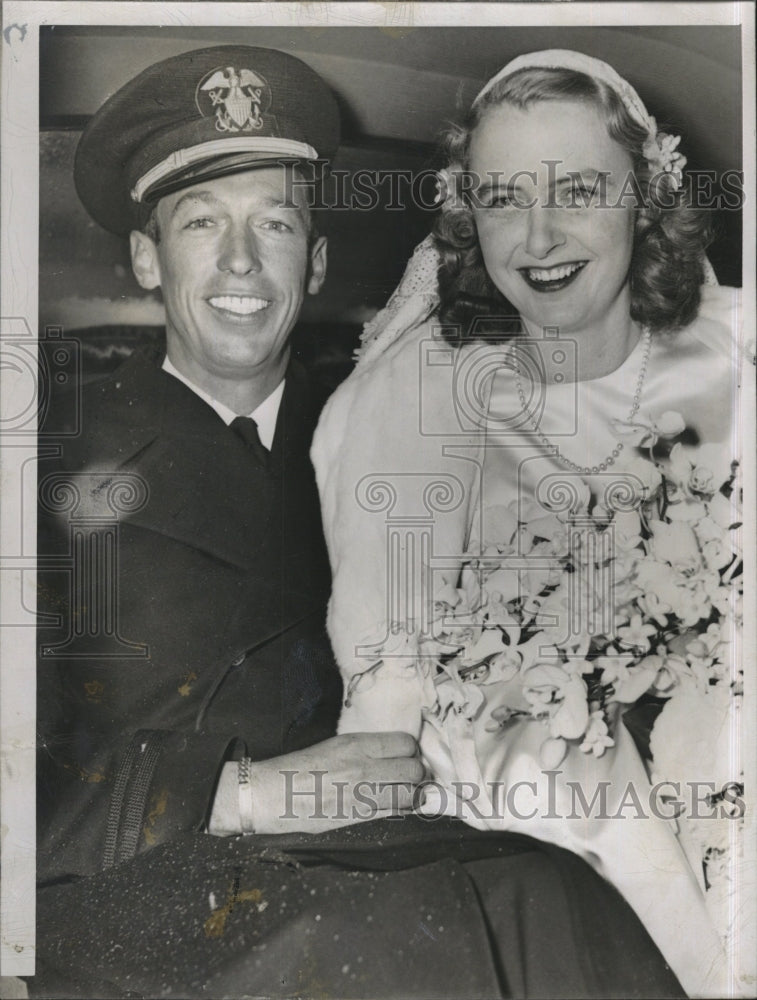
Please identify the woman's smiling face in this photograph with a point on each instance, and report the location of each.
(558, 253)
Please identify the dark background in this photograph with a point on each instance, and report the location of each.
(397, 88)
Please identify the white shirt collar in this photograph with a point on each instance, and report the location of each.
(264, 415)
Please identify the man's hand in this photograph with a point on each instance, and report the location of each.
(344, 780)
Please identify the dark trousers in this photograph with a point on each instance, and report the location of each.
(396, 908)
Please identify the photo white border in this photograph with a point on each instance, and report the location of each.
(19, 137)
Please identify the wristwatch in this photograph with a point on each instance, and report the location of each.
(244, 775)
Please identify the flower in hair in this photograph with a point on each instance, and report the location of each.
(661, 152)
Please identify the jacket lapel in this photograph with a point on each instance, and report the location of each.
(303, 546)
(203, 488)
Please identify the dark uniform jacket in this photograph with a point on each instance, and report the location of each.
(189, 582)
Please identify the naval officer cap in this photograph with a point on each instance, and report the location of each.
(199, 115)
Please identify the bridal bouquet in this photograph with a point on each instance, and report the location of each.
(614, 599)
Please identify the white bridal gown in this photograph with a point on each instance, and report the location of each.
(410, 454)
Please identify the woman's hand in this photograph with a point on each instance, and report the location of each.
(344, 780)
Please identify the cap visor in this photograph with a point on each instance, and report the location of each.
(221, 166)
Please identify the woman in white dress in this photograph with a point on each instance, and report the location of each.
(548, 354)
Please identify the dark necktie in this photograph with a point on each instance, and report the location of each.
(247, 430)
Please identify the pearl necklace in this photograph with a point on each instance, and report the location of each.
(610, 459)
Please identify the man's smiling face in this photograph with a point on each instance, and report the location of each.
(234, 261)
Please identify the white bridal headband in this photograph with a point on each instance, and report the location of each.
(568, 59)
(417, 295)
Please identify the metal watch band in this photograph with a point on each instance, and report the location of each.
(244, 773)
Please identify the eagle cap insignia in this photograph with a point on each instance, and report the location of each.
(237, 99)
